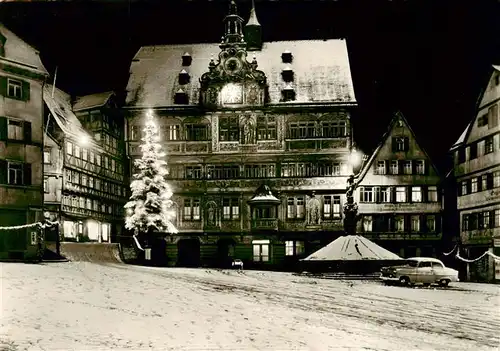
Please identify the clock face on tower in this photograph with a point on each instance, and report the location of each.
(232, 94)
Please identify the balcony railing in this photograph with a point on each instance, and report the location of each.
(265, 224)
(88, 213)
(401, 236)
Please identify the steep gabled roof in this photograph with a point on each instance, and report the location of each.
(60, 108)
(465, 135)
(462, 137)
(321, 68)
(20, 52)
(92, 101)
(397, 116)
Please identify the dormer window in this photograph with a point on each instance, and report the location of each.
(181, 98)
(184, 77)
(186, 59)
(287, 74)
(287, 56)
(288, 93)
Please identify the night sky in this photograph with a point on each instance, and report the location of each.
(429, 59)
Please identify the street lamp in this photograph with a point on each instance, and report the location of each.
(350, 207)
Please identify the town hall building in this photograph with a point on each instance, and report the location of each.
(258, 142)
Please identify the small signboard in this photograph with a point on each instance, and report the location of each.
(496, 242)
(147, 254)
(34, 239)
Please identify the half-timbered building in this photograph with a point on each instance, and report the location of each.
(399, 195)
(83, 189)
(100, 116)
(258, 138)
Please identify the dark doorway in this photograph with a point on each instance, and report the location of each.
(225, 252)
(188, 253)
(159, 252)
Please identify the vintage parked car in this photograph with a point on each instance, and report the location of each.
(425, 270)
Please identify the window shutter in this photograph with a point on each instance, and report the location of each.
(408, 194)
(3, 172)
(3, 86)
(394, 145)
(479, 184)
(26, 91)
(426, 167)
(3, 127)
(27, 174)
(425, 189)
(27, 132)
(438, 223)
(493, 117)
(400, 167)
(423, 224)
(407, 223)
(469, 186)
(406, 143)
(413, 167)
(489, 180)
(393, 194)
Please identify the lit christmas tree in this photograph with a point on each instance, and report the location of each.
(149, 208)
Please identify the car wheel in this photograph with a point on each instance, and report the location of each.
(444, 282)
(405, 281)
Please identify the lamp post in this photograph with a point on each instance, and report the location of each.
(351, 216)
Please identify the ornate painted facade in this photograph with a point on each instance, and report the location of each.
(477, 174)
(258, 138)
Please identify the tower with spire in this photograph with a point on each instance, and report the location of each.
(253, 31)
(233, 28)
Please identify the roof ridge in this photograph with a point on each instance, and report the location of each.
(397, 115)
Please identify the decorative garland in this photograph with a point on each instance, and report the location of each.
(48, 224)
(486, 253)
(137, 242)
(495, 257)
(453, 250)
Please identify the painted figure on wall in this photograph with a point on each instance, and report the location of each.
(248, 132)
(211, 215)
(313, 214)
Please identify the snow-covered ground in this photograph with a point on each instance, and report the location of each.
(84, 306)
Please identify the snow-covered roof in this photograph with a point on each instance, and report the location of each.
(91, 101)
(352, 248)
(252, 20)
(397, 116)
(462, 137)
(60, 108)
(20, 52)
(321, 69)
(429, 259)
(264, 195)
